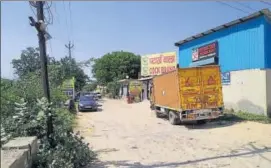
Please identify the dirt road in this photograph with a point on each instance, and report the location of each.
(131, 136)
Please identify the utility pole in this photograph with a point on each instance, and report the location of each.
(40, 26)
(69, 47)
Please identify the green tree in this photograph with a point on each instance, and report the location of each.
(29, 61)
(116, 65)
(71, 69)
(65, 68)
(90, 86)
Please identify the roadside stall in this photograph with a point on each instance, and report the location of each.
(135, 91)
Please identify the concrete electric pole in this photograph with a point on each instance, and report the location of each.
(69, 47)
(40, 26)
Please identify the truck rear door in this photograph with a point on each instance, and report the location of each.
(190, 88)
(211, 89)
(200, 88)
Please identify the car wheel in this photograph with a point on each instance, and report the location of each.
(173, 118)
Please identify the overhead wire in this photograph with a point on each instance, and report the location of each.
(32, 5)
(267, 3)
(66, 20)
(245, 5)
(47, 7)
(55, 10)
(233, 7)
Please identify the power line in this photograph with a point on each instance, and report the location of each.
(68, 32)
(56, 12)
(50, 19)
(233, 7)
(267, 3)
(245, 5)
(31, 7)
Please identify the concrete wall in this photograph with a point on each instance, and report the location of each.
(247, 91)
(268, 91)
(19, 152)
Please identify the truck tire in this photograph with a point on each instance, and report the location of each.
(173, 118)
(158, 115)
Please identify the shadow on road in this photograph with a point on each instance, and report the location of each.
(209, 125)
(92, 111)
(234, 153)
(224, 121)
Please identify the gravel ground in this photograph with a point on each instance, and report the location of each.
(129, 135)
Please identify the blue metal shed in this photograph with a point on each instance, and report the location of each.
(242, 44)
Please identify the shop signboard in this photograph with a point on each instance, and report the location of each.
(156, 64)
(226, 78)
(68, 87)
(206, 51)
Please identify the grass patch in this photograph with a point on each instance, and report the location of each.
(230, 115)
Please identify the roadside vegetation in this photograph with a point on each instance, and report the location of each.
(24, 110)
(230, 115)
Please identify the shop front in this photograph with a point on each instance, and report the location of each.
(242, 49)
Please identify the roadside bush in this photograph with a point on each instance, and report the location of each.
(69, 150)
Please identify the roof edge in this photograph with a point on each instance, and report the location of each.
(264, 12)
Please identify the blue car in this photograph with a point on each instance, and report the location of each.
(87, 103)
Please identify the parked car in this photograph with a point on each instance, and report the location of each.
(87, 102)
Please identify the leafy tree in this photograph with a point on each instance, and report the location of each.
(116, 65)
(90, 86)
(29, 61)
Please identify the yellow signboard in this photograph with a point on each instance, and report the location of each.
(156, 64)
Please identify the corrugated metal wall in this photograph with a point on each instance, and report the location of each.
(268, 42)
(240, 46)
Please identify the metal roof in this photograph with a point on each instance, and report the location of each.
(265, 12)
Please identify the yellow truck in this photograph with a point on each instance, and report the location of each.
(188, 94)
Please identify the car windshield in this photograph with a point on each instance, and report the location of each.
(86, 98)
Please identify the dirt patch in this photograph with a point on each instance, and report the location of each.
(129, 135)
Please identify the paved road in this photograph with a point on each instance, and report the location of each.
(131, 136)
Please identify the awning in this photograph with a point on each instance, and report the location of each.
(146, 78)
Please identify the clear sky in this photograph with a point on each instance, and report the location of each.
(97, 28)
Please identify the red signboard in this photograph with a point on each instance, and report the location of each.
(209, 50)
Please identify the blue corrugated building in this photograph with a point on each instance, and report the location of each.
(242, 48)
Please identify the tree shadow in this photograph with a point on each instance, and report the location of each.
(233, 153)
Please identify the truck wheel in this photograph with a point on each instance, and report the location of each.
(173, 118)
(158, 115)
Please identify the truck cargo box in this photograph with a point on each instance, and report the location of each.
(190, 91)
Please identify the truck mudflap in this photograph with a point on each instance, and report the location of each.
(203, 114)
